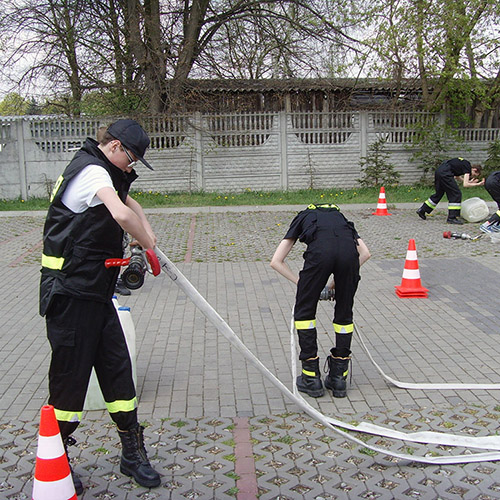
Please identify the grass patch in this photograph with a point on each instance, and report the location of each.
(153, 199)
(368, 451)
(179, 423)
(287, 440)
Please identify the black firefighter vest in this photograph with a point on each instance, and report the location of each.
(75, 245)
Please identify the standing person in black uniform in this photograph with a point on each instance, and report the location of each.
(90, 210)
(492, 185)
(445, 183)
(333, 247)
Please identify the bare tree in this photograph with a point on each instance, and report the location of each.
(150, 48)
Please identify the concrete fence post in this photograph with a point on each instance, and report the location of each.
(363, 133)
(198, 156)
(283, 149)
(23, 183)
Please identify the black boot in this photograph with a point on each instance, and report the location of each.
(310, 380)
(70, 441)
(134, 461)
(336, 380)
(454, 220)
(422, 212)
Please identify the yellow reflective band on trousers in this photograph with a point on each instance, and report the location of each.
(68, 416)
(56, 263)
(122, 405)
(308, 373)
(343, 328)
(307, 324)
(454, 206)
(430, 204)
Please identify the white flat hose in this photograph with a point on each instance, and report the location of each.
(424, 385)
(211, 314)
(425, 437)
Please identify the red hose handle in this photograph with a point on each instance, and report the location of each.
(150, 255)
(447, 234)
(116, 262)
(153, 262)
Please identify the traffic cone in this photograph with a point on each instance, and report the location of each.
(411, 287)
(52, 474)
(381, 205)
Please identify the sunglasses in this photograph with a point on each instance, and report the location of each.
(133, 162)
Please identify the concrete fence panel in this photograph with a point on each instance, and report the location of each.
(227, 152)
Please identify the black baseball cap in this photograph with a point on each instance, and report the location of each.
(132, 136)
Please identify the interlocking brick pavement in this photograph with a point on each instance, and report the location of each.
(193, 386)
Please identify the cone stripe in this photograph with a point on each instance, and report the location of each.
(411, 274)
(50, 447)
(53, 469)
(55, 490)
(411, 255)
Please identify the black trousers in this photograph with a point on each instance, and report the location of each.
(339, 257)
(445, 183)
(85, 334)
(492, 185)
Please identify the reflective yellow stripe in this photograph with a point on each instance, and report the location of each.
(57, 185)
(122, 405)
(430, 204)
(68, 416)
(308, 373)
(345, 373)
(308, 324)
(52, 262)
(343, 328)
(312, 206)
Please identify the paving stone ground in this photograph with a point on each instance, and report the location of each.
(198, 396)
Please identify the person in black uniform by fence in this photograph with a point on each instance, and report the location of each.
(445, 183)
(90, 210)
(492, 185)
(333, 248)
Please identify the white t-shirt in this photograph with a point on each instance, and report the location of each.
(81, 191)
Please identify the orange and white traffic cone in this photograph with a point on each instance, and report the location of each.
(52, 474)
(411, 286)
(381, 205)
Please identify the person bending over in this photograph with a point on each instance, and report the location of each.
(333, 248)
(445, 183)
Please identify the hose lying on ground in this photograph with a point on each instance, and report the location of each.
(211, 314)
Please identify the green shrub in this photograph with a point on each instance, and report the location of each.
(375, 167)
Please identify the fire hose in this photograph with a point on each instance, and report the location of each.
(478, 442)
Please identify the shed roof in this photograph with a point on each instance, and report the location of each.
(299, 84)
